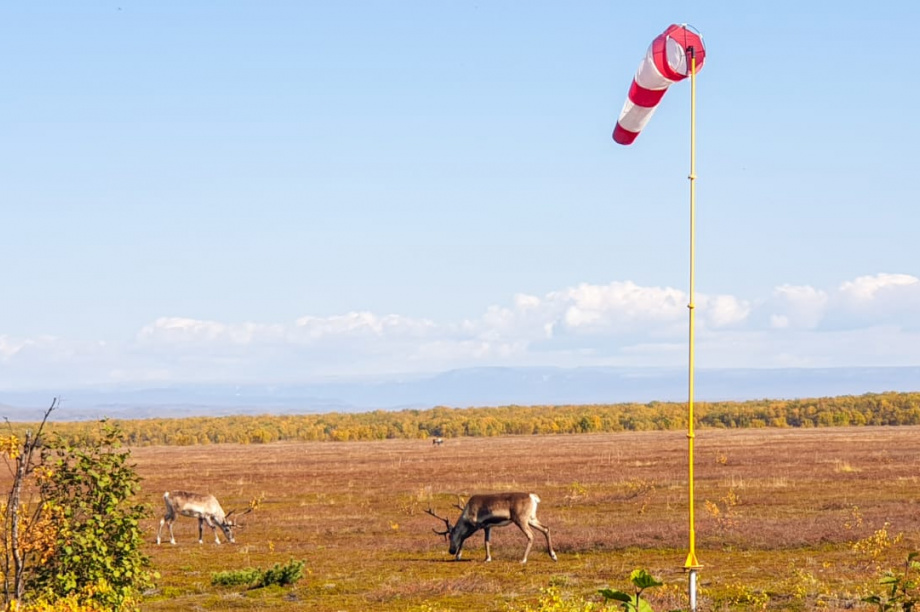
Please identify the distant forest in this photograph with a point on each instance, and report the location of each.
(444, 422)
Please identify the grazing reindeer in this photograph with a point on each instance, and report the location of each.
(205, 508)
(495, 510)
(437, 441)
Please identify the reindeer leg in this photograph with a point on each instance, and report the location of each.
(168, 519)
(213, 527)
(545, 531)
(165, 521)
(200, 530)
(527, 532)
(169, 516)
(169, 524)
(488, 531)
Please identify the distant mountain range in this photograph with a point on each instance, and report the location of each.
(459, 388)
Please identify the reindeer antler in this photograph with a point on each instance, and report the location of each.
(440, 518)
(460, 505)
(254, 503)
(235, 510)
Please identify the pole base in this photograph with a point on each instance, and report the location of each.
(691, 563)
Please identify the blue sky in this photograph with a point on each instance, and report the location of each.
(290, 191)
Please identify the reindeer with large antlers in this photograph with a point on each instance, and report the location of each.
(205, 508)
(495, 510)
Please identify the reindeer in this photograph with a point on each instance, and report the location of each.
(495, 510)
(437, 441)
(205, 508)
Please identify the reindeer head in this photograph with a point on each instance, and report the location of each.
(455, 534)
(228, 524)
(449, 529)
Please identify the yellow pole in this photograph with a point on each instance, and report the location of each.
(692, 563)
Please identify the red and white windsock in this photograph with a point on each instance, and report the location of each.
(667, 61)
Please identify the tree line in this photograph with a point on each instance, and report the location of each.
(447, 422)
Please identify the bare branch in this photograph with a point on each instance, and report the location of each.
(13, 524)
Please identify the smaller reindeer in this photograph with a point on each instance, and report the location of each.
(437, 441)
(205, 508)
(495, 510)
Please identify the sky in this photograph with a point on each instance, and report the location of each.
(281, 192)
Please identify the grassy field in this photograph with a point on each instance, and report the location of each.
(786, 519)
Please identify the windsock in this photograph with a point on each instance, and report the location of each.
(667, 61)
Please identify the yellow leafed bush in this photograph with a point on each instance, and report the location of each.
(68, 604)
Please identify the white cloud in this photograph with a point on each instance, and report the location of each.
(526, 302)
(360, 324)
(799, 307)
(618, 306)
(184, 331)
(9, 347)
(724, 310)
(39, 349)
(869, 288)
(890, 299)
(869, 320)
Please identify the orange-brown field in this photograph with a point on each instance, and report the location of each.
(786, 519)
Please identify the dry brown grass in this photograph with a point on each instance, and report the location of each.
(791, 504)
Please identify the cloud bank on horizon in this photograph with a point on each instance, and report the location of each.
(866, 321)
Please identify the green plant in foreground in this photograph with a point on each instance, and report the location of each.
(642, 580)
(255, 578)
(903, 589)
(97, 549)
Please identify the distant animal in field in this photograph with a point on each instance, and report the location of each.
(437, 441)
(495, 510)
(205, 508)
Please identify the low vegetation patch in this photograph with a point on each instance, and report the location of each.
(281, 575)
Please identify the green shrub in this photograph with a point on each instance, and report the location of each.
(248, 577)
(282, 575)
(901, 589)
(98, 556)
(255, 578)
